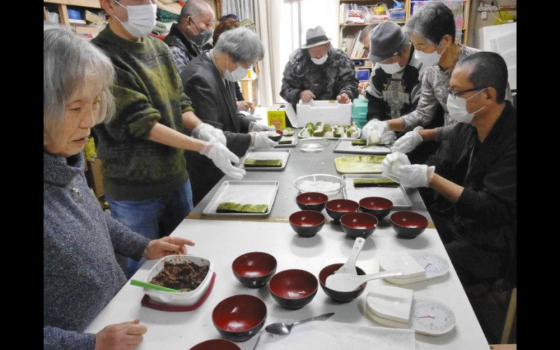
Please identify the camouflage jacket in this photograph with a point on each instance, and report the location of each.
(326, 81)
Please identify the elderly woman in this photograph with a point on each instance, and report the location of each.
(432, 32)
(81, 274)
(209, 80)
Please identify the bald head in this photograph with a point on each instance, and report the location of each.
(197, 9)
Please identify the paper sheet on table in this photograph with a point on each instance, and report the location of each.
(246, 194)
(330, 335)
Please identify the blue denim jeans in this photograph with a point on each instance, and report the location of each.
(153, 218)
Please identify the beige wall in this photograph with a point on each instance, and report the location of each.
(475, 19)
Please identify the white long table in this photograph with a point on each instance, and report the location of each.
(222, 241)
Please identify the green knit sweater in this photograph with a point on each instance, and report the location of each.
(147, 90)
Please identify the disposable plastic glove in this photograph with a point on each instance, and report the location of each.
(262, 142)
(260, 127)
(392, 163)
(377, 132)
(207, 132)
(409, 141)
(222, 158)
(416, 175)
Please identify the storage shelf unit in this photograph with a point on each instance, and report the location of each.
(63, 7)
(354, 28)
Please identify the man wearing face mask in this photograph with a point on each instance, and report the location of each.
(210, 81)
(193, 30)
(432, 32)
(319, 71)
(144, 171)
(395, 82)
(473, 174)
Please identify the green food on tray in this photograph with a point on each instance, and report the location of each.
(382, 182)
(326, 130)
(231, 207)
(285, 142)
(249, 162)
(363, 159)
(358, 142)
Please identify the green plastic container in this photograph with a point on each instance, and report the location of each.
(359, 111)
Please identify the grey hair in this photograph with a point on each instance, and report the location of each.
(241, 44)
(193, 8)
(366, 31)
(433, 22)
(67, 61)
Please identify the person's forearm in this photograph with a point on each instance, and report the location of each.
(167, 136)
(450, 190)
(428, 135)
(396, 125)
(190, 120)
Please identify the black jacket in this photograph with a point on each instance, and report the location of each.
(394, 95)
(486, 213)
(214, 103)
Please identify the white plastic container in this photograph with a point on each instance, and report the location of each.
(180, 298)
(328, 112)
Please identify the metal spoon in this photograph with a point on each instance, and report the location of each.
(285, 329)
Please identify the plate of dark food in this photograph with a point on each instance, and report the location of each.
(188, 274)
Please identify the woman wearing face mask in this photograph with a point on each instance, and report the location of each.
(189, 37)
(209, 80)
(319, 71)
(432, 32)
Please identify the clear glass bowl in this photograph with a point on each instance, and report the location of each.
(313, 144)
(323, 183)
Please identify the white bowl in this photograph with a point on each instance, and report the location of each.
(180, 298)
(313, 183)
(313, 144)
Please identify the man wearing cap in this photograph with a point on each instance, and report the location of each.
(319, 71)
(395, 79)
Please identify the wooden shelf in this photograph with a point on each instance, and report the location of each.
(81, 3)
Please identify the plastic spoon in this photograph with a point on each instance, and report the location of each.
(348, 283)
(152, 286)
(350, 266)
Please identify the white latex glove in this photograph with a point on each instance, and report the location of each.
(261, 141)
(260, 127)
(416, 175)
(377, 132)
(392, 164)
(409, 141)
(222, 158)
(207, 132)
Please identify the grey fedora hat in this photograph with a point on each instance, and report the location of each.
(315, 37)
(385, 41)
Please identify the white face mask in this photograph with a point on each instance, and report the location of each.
(428, 59)
(320, 61)
(457, 108)
(141, 19)
(391, 68)
(238, 74)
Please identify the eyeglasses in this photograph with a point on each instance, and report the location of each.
(454, 93)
